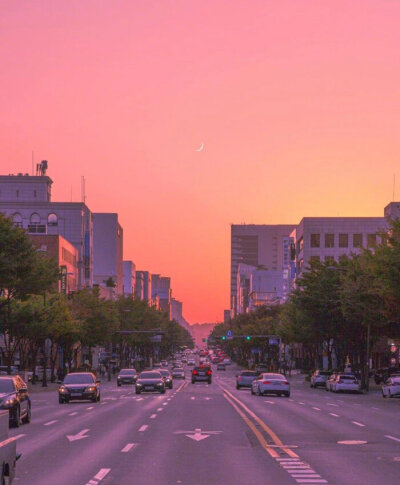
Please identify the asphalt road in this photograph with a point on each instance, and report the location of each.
(211, 434)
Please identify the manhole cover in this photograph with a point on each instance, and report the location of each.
(352, 442)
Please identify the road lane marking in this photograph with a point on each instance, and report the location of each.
(89, 408)
(310, 480)
(331, 404)
(153, 416)
(128, 447)
(334, 415)
(193, 398)
(102, 473)
(144, 427)
(73, 414)
(269, 402)
(19, 436)
(317, 409)
(164, 403)
(358, 424)
(160, 409)
(302, 403)
(78, 436)
(50, 422)
(392, 437)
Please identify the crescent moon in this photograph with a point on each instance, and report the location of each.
(201, 147)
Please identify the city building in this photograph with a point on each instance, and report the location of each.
(129, 278)
(328, 238)
(108, 252)
(66, 255)
(144, 286)
(161, 292)
(27, 200)
(263, 247)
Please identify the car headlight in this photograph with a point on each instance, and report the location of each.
(160, 384)
(90, 389)
(9, 402)
(63, 390)
(138, 384)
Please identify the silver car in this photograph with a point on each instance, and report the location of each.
(345, 383)
(319, 378)
(245, 378)
(178, 373)
(271, 384)
(391, 387)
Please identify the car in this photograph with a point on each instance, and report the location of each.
(14, 397)
(167, 378)
(245, 378)
(126, 376)
(150, 381)
(381, 375)
(178, 373)
(202, 373)
(79, 386)
(345, 383)
(227, 361)
(329, 382)
(270, 384)
(184, 360)
(221, 366)
(260, 368)
(191, 362)
(164, 363)
(157, 365)
(319, 378)
(391, 388)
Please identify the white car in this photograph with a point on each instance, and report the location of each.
(191, 362)
(270, 384)
(391, 387)
(345, 383)
(227, 361)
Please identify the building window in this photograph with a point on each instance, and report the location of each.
(17, 219)
(300, 243)
(52, 220)
(330, 260)
(343, 240)
(315, 240)
(357, 241)
(329, 240)
(35, 226)
(371, 240)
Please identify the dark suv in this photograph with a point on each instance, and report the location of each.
(14, 396)
(202, 373)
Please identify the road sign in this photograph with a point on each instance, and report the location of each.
(273, 341)
(229, 334)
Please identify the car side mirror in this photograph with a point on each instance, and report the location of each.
(59, 382)
(23, 389)
(98, 381)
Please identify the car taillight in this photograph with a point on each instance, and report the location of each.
(194, 372)
(209, 373)
(239, 378)
(266, 382)
(286, 383)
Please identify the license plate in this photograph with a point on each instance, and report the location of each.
(76, 394)
(201, 374)
(149, 387)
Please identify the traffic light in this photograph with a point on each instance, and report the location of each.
(223, 337)
(248, 337)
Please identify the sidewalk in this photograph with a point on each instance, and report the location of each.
(36, 388)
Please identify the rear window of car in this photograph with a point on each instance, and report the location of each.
(249, 373)
(324, 373)
(278, 377)
(204, 368)
(347, 377)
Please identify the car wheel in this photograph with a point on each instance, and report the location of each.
(259, 393)
(383, 394)
(287, 394)
(237, 387)
(390, 394)
(61, 400)
(27, 418)
(137, 391)
(17, 417)
(192, 382)
(252, 391)
(98, 398)
(118, 384)
(162, 391)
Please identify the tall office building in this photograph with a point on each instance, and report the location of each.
(107, 251)
(129, 277)
(260, 246)
(27, 200)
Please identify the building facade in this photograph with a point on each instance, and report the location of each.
(129, 278)
(108, 251)
(27, 200)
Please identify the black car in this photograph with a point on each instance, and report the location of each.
(260, 368)
(14, 396)
(79, 386)
(127, 376)
(202, 373)
(150, 381)
(167, 378)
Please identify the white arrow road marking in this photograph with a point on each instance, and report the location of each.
(50, 422)
(198, 434)
(82, 434)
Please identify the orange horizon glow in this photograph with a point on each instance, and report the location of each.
(297, 104)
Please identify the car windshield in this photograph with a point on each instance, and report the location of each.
(78, 379)
(150, 375)
(164, 373)
(6, 385)
(178, 369)
(347, 377)
(249, 373)
(127, 372)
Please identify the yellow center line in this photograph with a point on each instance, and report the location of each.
(266, 428)
(259, 436)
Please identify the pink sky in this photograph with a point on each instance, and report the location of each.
(297, 103)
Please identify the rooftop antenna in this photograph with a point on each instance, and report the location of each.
(394, 185)
(83, 193)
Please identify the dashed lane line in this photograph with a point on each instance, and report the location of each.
(143, 428)
(164, 403)
(334, 415)
(49, 423)
(317, 409)
(128, 447)
(19, 436)
(358, 424)
(99, 476)
(160, 409)
(392, 437)
(153, 416)
(73, 414)
(90, 408)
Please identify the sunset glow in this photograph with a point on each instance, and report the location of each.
(187, 116)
